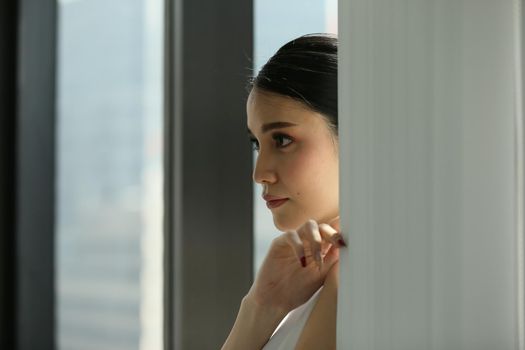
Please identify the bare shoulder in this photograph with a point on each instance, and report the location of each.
(319, 332)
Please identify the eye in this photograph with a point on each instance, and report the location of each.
(255, 144)
(282, 140)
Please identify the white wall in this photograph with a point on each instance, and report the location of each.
(429, 188)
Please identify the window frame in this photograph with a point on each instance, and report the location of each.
(27, 161)
(208, 199)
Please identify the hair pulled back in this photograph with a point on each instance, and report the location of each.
(306, 70)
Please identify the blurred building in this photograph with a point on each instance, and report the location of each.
(108, 131)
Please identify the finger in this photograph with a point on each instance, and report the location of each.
(335, 223)
(310, 232)
(331, 257)
(329, 234)
(293, 239)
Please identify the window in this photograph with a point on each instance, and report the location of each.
(109, 175)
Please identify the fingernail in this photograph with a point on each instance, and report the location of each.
(303, 261)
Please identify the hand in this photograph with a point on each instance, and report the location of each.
(283, 283)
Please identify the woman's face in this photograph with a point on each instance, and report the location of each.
(297, 159)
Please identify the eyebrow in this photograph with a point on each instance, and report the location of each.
(274, 125)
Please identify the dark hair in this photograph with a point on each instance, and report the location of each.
(306, 70)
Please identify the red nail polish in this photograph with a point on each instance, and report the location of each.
(341, 242)
(303, 261)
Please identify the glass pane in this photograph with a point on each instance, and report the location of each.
(276, 23)
(109, 215)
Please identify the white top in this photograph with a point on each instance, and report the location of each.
(287, 334)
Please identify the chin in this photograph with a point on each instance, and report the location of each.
(284, 225)
(281, 227)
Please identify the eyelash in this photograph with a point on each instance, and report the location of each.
(276, 137)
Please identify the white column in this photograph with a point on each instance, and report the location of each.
(431, 200)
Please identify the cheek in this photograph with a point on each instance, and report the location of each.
(308, 172)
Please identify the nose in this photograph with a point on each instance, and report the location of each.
(264, 171)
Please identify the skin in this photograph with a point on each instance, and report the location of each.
(300, 163)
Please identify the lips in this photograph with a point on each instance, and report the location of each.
(274, 201)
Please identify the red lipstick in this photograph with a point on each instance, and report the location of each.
(274, 201)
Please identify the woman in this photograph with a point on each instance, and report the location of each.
(292, 122)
